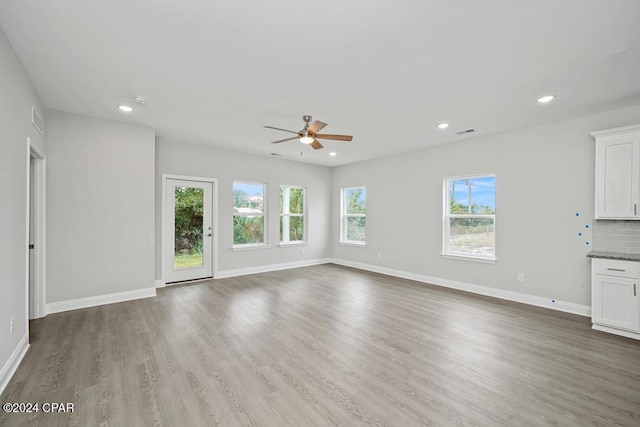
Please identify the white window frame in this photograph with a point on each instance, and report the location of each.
(264, 243)
(446, 238)
(344, 216)
(286, 215)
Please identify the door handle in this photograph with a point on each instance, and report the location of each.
(634, 289)
(615, 269)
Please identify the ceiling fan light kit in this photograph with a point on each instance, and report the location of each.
(309, 134)
(305, 138)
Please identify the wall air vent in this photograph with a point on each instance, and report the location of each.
(464, 132)
(36, 119)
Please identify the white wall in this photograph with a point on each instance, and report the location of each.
(178, 158)
(100, 207)
(16, 98)
(544, 175)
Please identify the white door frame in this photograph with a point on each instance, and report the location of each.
(214, 213)
(39, 296)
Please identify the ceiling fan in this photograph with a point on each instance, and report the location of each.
(309, 135)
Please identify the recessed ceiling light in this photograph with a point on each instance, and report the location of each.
(546, 99)
(332, 154)
(443, 125)
(125, 108)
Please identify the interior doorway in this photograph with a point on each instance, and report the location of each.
(36, 235)
(188, 230)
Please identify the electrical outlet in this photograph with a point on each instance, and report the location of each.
(379, 255)
(520, 277)
(12, 323)
(301, 251)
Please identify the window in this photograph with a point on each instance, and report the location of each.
(248, 214)
(470, 217)
(353, 215)
(292, 215)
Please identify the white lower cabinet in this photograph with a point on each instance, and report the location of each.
(615, 305)
(615, 302)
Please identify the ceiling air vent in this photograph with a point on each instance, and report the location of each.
(36, 119)
(463, 132)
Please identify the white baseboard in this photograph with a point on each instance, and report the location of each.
(628, 334)
(271, 267)
(57, 307)
(12, 364)
(554, 304)
(160, 283)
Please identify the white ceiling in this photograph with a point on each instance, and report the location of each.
(387, 72)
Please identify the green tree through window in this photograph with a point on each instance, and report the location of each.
(188, 226)
(248, 213)
(354, 215)
(292, 214)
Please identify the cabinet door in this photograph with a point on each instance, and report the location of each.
(615, 302)
(618, 177)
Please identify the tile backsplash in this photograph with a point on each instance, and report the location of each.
(616, 236)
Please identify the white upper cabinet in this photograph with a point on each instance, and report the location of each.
(618, 173)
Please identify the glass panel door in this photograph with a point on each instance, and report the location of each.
(189, 230)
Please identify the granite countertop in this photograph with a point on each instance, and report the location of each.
(622, 256)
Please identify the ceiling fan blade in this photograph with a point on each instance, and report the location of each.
(316, 145)
(316, 126)
(284, 130)
(335, 137)
(284, 140)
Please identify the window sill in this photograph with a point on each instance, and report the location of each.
(291, 244)
(354, 244)
(470, 258)
(250, 247)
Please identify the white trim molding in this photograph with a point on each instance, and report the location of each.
(250, 247)
(293, 244)
(451, 255)
(354, 245)
(271, 267)
(160, 283)
(553, 304)
(616, 331)
(9, 368)
(75, 304)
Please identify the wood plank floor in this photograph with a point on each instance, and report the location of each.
(326, 346)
